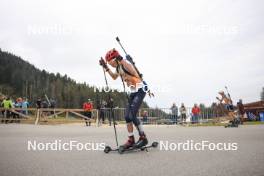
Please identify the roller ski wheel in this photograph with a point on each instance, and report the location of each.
(121, 149)
(107, 149)
(128, 145)
(154, 144)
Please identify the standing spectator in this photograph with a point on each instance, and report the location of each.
(38, 103)
(174, 111)
(53, 106)
(102, 111)
(52, 103)
(241, 111)
(44, 114)
(7, 104)
(2, 98)
(88, 107)
(195, 113)
(183, 112)
(145, 117)
(24, 106)
(110, 106)
(38, 106)
(17, 104)
(98, 108)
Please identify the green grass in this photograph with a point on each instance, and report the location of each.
(206, 124)
(254, 123)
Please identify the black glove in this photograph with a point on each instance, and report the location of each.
(103, 64)
(119, 58)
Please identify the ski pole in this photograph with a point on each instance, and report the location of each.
(111, 108)
(129, 58)
(105, 78)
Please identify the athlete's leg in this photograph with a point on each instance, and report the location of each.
(134, 107)
(131, 140)
(133, 110)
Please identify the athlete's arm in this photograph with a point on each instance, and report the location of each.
(112, 74)
(104, 65)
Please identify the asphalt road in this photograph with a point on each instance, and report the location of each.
(16, 159)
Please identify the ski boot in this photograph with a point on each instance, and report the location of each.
(129, 144)
(142, 141)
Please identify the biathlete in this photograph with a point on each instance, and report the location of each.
(138, 88)
(228, 104)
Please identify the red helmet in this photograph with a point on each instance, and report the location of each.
(111, 55)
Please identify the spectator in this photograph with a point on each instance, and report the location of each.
(53, 106)
(183, 112)
(145, 117)
(174, 111)
(195, 113)
(88, 107)
(98, 108)
(24, 106)
(44, 113)
(7, 104)
(17, 104)
(110, 106)
(38, 103)
(241, 111)
(102, 111)
(2, 98)
(52, 103)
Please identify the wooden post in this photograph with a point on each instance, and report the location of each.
(67, 114)
(37, 118)
(97, 118)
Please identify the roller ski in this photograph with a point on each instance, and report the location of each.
(233, 124)
(122, 150)
(130, 145)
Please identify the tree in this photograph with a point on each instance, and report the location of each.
(202, 106)
(262, 94)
